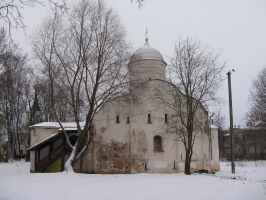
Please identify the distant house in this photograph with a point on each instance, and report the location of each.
(249, 144)
(130, 137)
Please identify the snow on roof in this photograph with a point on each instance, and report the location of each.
(66, 125)
(46, 125)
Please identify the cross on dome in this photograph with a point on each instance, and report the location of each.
(146, 35)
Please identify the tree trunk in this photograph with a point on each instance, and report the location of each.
(68, 165)
(18, 147)
(187, 162)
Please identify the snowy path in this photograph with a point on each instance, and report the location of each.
(248, 183)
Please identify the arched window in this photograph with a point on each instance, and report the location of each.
(157, 142)
(73, 139)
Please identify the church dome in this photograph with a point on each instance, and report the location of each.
(146, 64)
(146, 53)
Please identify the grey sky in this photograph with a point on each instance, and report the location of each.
(238, 28)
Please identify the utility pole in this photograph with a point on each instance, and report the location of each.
(231, 123)
(210, 134)
(210, 139)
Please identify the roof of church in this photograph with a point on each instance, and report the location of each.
(147, 52)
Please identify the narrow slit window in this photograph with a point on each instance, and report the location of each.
(117, 119)
(165, 118)
(127, 120)
(149, 118)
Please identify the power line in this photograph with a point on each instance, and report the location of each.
(244, 73)
(244, 76)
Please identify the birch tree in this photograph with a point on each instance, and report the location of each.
(84, 55)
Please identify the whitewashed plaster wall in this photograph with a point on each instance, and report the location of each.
(215, 163)
(39, 134)
(139, 135)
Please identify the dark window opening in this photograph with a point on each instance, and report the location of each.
(42, 153)
(157, 140)
(73, 139)
(145, 166)
(165, 118)
(117, 119)
(127, 120)
(56, 144)
(174, 165)
(149, 118)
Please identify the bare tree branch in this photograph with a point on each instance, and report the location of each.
(84, 53)
(11, 12)
(139, 2)
(195, 72)
(256, 116)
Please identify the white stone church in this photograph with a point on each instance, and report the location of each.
(130, 132)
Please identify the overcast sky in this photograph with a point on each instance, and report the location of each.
(237, 27)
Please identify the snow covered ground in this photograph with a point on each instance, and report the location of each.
(248, 183)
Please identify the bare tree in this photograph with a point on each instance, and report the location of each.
(13, 77)
(139, 2)
(256, 116)
(84, 56)
(4, 47)
(195, 71)
(219, 120)
(11, 11)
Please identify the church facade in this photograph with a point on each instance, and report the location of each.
(131, 132)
